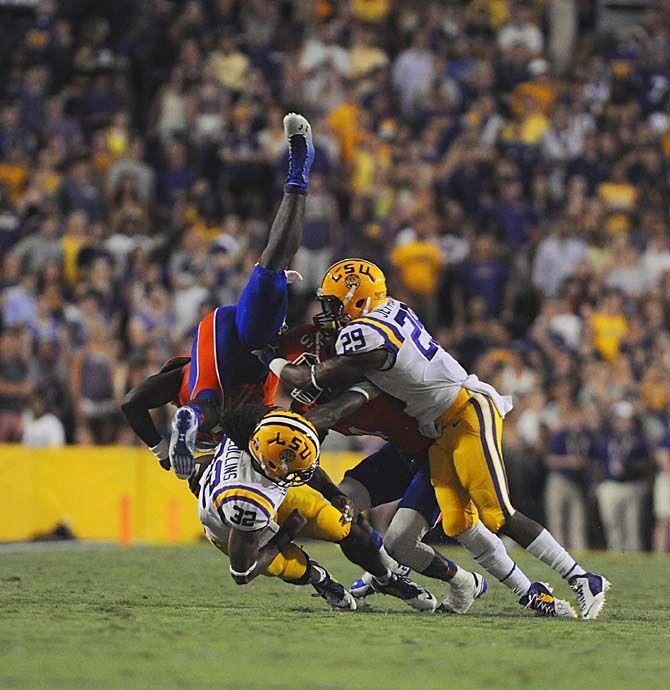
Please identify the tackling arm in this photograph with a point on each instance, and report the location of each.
(342, 370)
(329, 414)
(326, 416)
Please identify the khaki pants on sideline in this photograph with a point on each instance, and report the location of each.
(566, 511)
(620, 505)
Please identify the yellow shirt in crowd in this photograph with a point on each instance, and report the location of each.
(608, 331)
(370, 10)
(419, 264)
(618, 194)
(343, 120)
(230, 70)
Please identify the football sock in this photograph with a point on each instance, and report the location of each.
(549, 551)
(489, 551)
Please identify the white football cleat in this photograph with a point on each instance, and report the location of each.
(182, 442)
(591, 591)
(464, 592)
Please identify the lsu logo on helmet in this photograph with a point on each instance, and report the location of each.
(350, 288)
(286, 448)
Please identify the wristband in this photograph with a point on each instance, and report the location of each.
(368, 390)
(245, 573)
(277, 365)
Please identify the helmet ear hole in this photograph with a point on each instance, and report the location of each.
(359, 304)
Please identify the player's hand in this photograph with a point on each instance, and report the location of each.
(293, 524)
(346, 506)
(267, 354)
(161, 452)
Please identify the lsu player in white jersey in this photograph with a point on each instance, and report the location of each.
(254, 498)
(382, 340)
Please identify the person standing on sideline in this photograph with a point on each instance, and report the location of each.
(662, 497)
(625, 462)
(570, 448)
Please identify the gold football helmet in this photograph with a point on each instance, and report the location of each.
(350, 288)
(285, 446)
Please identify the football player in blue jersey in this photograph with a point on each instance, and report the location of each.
(223, 373)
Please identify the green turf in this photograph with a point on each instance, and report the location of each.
(102, 617)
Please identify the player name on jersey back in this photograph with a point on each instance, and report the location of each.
(419, 371)
(232, 491)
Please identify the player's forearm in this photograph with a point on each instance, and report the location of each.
(254, 562)
(265, 556)
(141, 423)
(285, 233)
(329, 414)
(322, 483)
(155, 391)
(338, 372)
(244, 555)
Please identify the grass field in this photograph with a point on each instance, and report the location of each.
(102, 617)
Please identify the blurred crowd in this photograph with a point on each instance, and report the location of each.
(506, 164)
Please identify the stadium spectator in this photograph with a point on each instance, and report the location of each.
(625, 464)
(569, 452)
(662, 497)
(43, 429)
(14, 386)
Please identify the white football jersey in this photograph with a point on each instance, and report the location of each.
(419, 371)
(234, 494)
